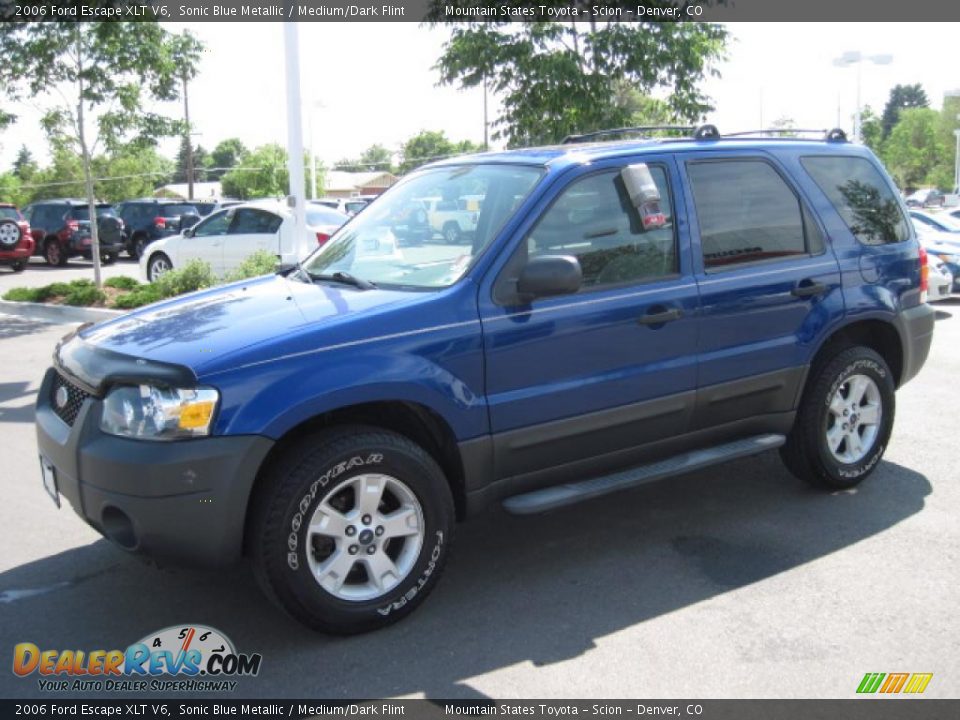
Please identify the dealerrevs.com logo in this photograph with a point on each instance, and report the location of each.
(178, 658)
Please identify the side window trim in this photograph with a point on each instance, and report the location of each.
(806, 214)
(660, 162)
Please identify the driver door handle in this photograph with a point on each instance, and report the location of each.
(658, 318)
(808, 288)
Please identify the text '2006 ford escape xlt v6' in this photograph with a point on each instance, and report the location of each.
(625, 311)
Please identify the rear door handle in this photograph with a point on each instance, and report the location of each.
(658, 318)
(808, 288)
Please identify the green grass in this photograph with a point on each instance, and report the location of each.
(121, 283)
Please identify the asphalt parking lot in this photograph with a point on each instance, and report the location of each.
(736, 581)
(39, 273)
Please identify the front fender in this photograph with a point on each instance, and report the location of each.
(272, 399)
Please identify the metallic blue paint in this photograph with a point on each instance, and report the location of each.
(281, 351)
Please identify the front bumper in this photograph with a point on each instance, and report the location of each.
(183, 502)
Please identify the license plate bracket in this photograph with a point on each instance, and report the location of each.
(49, 474)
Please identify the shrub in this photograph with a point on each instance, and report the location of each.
(260, 263)
(121, 283)
(21, 294)
(138, 297)
(84, 295)
(195, 275)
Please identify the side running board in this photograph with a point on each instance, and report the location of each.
(559, 495)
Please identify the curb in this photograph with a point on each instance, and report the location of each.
(57, 313)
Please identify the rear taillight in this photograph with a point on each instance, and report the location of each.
(159, 223)
(73, 225)
(924, 274)
(322, 238)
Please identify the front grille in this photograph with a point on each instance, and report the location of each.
(75, 396)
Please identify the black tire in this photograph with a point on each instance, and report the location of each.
(18, 265)
(54, 253)
(108, 258)
(806, 453)
(153, 272)
(137, 246)
(452, 233)
(314, 470)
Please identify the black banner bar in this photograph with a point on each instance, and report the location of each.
(874, 708)
(478, 10)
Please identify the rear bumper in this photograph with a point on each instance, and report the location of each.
(184, 502)
(916, 332)
(22, 251)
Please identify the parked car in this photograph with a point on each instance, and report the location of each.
(941, 280)
(205, 207)
(150, 219)
(940, 222)
(348, 206)
(451, 218)
(227, 237)
(61, 230)
(16, 243)
(627, 311)
(943, 245)
(925, 197)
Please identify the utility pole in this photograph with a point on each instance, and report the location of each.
(189, 139)
(486, 124)
(295, 200)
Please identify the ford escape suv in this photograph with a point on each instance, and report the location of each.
(625, 310)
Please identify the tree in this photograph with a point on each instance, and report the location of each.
(263, 174)
(107, 69)
(225, 156)
(902, 97)
(871, 129)
(10, 189)
(24, 167)
(429, 145)
(555, 79)
(377, 158)
(130, 172)
(201, 161)
(914, 149)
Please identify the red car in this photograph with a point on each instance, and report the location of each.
(16, 243)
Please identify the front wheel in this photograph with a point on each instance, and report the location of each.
(108, 258)
(351, 529)
(844, 422)
(157, 266)
(18, 265)
(452, 233)
(54, 254)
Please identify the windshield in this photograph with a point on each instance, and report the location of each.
(426, 231)
(171, 211)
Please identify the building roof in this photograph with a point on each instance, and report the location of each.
(181, 191)
(341, 180)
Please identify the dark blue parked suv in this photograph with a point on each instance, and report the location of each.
(626, 311)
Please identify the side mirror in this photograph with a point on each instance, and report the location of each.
(549, 275)
(188, 233)
(644, 195)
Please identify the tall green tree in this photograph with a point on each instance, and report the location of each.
(225, 156)
(914, 149)
(263, 173)
(103, 74)
(24, 167)
(557, 78)
(201, 161)
(377, 158)
(871, 129)
(902, 97)
(429, 145)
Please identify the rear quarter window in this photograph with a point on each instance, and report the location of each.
(861, 196)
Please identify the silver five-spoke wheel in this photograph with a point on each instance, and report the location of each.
(365, 537)
(854, 419)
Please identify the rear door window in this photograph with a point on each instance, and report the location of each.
(862, 197)
(747, 213)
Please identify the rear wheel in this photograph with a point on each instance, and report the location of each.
(351, 529)
(844, 422)
(137, 246)
(108, 258)
(53, 253)
(18, 265)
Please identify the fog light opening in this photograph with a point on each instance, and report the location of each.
(118, 528)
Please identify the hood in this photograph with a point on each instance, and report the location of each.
(212, 328)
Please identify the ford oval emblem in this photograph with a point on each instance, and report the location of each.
(62, 397)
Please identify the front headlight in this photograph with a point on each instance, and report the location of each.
(151, 412)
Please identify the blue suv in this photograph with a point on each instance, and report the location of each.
(625, 311)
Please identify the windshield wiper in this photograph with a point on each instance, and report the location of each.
(345, 278)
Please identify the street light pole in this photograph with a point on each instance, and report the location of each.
(295, 199)
(855, 57)
(956, 162)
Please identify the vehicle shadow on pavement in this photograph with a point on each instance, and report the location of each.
(12, 326)
(539, 589)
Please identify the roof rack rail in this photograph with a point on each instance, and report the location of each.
(832, 135)
(570, 139)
